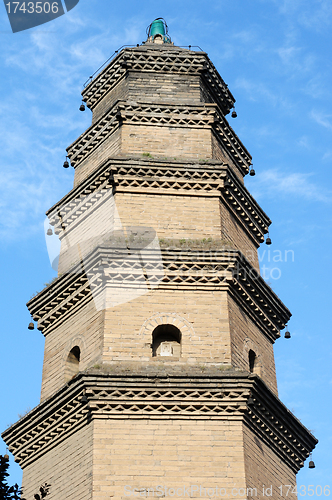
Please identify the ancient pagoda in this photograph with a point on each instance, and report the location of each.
(159, 375)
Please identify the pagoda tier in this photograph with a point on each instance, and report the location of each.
(120, 430)
(206, 294)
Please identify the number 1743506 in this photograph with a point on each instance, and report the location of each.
(287, 490)
(32, 7)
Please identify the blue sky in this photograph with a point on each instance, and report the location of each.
(275, 55)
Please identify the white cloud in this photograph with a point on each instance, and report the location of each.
(295, 60)
(322, 118)
(276, 183)
(304, 142)
(316, 87)
(327, 155)
(39, 119)
(317, 15)
(256, 91)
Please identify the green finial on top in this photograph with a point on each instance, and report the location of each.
(157, 31)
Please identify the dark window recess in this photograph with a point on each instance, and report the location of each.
(252, 361)
(73, 363)
(166, 341)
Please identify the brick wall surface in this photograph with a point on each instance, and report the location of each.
(219, 332)
(233, 231)
(172, 216)
(163, 141)
(139, 454)
(245, 336)
(214, 330)
(264, 469)
(206, 339)
(154, 87)
(93, 228)
(66, 467)
(118, 93)
(205, 95)
(151, 87)
(83, 329)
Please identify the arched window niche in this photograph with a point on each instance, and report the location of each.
(166, 341)
(252, 361)
(72, 363)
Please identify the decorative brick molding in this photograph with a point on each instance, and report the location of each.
(186, 396)
(246, 210)
(131, 175)
(169, 115)
(169, 318)
(173, 60)
(212, 270)
(272, 422)
(204, 115)
(232, 144)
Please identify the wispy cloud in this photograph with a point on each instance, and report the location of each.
(38, 121)
(317, 15)
(316, 87)
(276, 183)
(287, 6)
(322, 118)
(304, 142)
(295, 60)
(256, 91)
(311, 14)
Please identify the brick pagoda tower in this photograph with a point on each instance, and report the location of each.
(159, 375)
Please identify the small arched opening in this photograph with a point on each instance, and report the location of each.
(252, 361)
(73, 363)
(166, 341)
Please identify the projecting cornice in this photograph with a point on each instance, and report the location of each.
(141, 391)
(232, 144)
(138, 114)
(163, 177)
(168, 59)
(206, 115)
(277, 426)
(93, 137)
(108, 268)
(245, 208)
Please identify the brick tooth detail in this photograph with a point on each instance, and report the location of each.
(178, 62)
(203, 396)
